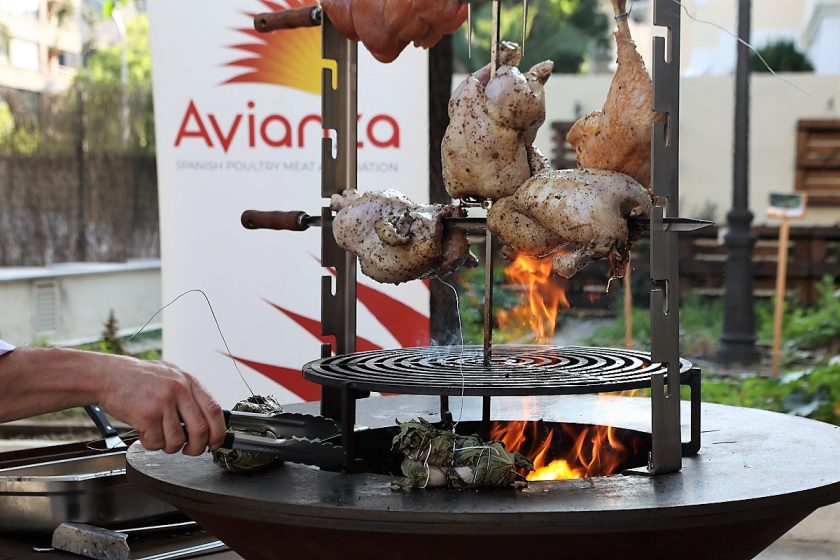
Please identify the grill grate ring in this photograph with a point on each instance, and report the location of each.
(515, 370)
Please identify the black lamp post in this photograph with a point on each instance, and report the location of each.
(737, 344)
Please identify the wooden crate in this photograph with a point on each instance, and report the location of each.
(818, 161)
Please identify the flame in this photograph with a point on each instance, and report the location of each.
(595, 451)
(542, 297)
(290, 57)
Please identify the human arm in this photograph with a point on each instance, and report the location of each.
(153, 397)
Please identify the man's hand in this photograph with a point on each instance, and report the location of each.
(155, 398)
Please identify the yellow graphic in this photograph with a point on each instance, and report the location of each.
(290, 58)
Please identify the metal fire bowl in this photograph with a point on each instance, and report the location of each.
(757, 475)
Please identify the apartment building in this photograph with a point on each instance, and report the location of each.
(40, 44)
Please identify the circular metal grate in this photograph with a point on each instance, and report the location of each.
(514, 370)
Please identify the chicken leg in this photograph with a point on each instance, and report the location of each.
(617, 138)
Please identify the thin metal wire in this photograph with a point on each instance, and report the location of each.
(461, 356)
(746, 44)
(215, 320)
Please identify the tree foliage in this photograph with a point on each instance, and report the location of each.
(569, 32)
(781, 56)
(104, 64)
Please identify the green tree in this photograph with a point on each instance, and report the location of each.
(569, 32)
(104, 64)
(99, 83)
(781, 56)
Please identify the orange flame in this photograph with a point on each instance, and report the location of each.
(542, 297)
(595, 451)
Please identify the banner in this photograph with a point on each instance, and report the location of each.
(237, 117)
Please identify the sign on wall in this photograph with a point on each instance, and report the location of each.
(237, 117)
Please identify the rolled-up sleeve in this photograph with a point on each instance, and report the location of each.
(5, 348)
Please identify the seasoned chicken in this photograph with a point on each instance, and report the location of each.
(397, 240)
(579, 215)
(520, 234)
(386, 27)
(493, 122)
(617, 138)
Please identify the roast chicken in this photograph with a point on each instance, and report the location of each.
(617, 138)
(487, 150)
(577, 215)
(386, 27)
(397, 240)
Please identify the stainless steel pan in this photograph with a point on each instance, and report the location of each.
(40, 489)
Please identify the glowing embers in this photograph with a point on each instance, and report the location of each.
(542, 296)
(564, 451)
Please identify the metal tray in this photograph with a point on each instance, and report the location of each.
(87, 488)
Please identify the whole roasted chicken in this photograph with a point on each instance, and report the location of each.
(577, 215)
(617, 138)
(397, 240)
(386, 27)
(487, 150)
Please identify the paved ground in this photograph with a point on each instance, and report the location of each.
(789, 549)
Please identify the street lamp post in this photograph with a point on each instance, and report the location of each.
(737, 344)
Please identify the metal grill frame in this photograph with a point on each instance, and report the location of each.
(338, 302)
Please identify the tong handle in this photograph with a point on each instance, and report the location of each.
(102, 423)
(294, 220)
(288, 19)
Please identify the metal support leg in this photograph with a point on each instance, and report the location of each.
(485, 409)
(666, 455)
(348, 424)
(692, 447)
(339, 115)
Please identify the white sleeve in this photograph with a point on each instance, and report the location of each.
(5, 347)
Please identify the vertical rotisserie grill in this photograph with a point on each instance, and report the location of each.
(347, 377)
(746, 488)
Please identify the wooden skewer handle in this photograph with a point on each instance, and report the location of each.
(288, 19)
(289, 221)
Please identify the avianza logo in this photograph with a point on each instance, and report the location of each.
(274, 130)
(287, 58)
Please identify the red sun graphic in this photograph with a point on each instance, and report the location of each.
(290, 58)
(408, 327)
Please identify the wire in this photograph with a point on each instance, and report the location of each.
(461, 356)
(215, 320)
(733, 35)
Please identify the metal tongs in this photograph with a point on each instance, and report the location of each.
(302, 438)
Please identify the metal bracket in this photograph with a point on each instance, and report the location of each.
(339, 108)
(666, 454)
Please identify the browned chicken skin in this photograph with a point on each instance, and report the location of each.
(578, 215)
(617, 138)
(386, 27)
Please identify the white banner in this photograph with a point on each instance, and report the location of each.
(237, 119)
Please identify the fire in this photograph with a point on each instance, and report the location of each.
(594, 450)
(542, 297)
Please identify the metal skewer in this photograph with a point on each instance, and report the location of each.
(524, 25)
(488, 236)
(300, 221)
